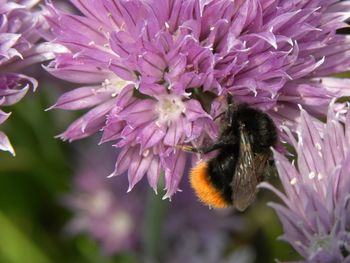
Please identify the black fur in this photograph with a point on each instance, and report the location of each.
(261, 133)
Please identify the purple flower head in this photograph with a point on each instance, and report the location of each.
(153, 72)
(196, 234)
(101, 209)
(20, 27)
(197, 251)
(149, 129)
(118, 221)
(316, 211)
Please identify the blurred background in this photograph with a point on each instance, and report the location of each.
(57, 204)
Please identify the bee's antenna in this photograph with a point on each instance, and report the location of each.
(229, 99)
(218, 116)
(231, 104)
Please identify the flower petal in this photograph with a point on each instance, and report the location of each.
(174, 165)
(5, 144)
(81, 98)
(88, 124)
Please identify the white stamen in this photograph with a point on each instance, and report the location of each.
(115, 85)
(318, 147)
(145, 153)
(312, 175)
(273, 94)
(255, 92)
(293, 181)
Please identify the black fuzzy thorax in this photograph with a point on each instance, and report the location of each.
(262, 135)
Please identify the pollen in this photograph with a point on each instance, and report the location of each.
(205, 190)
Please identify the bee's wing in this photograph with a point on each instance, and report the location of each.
(249, 172)
(261, 162)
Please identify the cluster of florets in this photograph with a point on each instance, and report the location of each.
(153, 72)
(189, 231)
(22, 25)
(316, 215)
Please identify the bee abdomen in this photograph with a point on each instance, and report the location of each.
(206, 191)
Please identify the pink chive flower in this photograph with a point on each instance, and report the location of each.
(192, 233)
(205, 251)
(21, 24)
(150, 71)
(101, 210)
(316, 211)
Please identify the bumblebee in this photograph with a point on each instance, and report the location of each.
(243, 156)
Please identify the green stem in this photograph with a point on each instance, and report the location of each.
(156, 212)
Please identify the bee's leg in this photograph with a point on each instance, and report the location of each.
(219, 115)
(187, 148)
(220, 98)
(202, 150)
(229, 99)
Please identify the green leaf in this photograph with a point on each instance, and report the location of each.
(15, 247)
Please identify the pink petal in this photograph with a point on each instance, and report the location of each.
(138, 167)
(81, 98)
(174, 133)
(89, 123)
(5, 144)
(174, 165)
(150, 135)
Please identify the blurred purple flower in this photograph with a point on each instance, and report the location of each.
(100, 209)
(150, 70)
(193, 233)
(195, 251)
(102, 214)
(316, 215)
(103, 211)
(20, 27)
